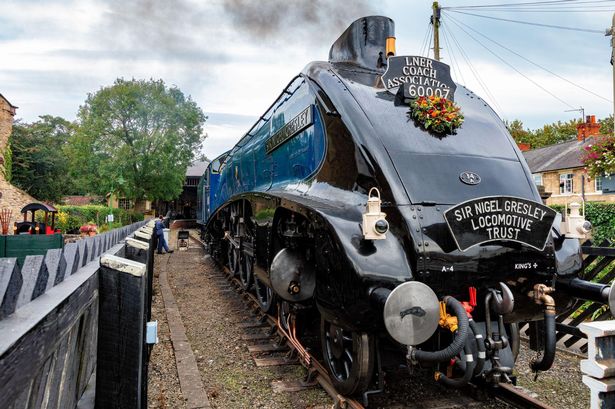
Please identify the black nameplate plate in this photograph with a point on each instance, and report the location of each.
(498, 218)
(419, 77)
(290, 129)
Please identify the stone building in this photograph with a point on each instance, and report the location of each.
(11, 197)
(559, 169)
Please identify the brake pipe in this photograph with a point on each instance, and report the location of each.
(467, 375)
(455, 347)
(481, 354)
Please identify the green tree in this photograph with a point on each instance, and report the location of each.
(516, 130)
(39, 162)
(137, 138)
(547, 135)
(606, 125)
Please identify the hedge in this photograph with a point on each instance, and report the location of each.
(70, 218)
(602, 217)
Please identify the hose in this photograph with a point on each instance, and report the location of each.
(550, 339)
(480, 345)
(467, 375)
(458, 343)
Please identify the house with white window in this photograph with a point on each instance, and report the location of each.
(559, 169)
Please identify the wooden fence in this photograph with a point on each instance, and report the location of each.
(72, 321)
(598, 267)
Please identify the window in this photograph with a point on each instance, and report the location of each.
(598, 184)
(537, 178)
(565, 183)
(191, 181)
(123, 204)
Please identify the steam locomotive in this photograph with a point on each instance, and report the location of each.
(339, 202)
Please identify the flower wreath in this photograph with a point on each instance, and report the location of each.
(436, 114)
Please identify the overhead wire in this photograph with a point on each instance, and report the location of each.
(425, 38)
(513, 67)
(552, 3)
(427, 44)
(530, 61)
(458, 71)
(474, 72)
(586, 30)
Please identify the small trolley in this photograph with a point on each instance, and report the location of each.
(183, 239)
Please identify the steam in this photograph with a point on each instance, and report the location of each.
(279, 19)
(194, 30)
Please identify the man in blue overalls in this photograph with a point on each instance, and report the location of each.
(159, 230)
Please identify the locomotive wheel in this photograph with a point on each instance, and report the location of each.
(233, 259)
(349, 356)
(264, 295)
(246, 273)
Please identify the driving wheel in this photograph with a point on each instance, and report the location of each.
(246, 274)
(233, 259)
(349, 356)
(264, 295)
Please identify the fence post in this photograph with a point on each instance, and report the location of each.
(121, 334)
(599, 369)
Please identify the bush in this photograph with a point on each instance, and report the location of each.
(601, 216)
(70, 218)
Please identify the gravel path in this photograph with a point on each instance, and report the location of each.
(163, 383)
(211, 314)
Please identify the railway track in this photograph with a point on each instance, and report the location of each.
(284, 339)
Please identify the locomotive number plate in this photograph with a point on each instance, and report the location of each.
(500, 218)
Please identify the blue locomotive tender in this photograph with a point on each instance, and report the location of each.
(339, 204)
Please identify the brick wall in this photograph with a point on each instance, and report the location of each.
(6, 126)
(12, 198)
(550, 181)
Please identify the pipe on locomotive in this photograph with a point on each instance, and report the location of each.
(379, 297)
(541, 296)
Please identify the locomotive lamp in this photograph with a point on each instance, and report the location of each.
(374, 223)
(575, 226)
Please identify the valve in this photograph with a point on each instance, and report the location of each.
(374, 223)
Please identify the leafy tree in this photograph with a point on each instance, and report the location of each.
(39, 163)
(137, 138)
(547, 135)
(606, 125)
(519, 134)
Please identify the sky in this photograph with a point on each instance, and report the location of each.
(233, 57)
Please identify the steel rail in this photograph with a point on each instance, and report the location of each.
(510, 395)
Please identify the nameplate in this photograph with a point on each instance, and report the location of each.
(419, 77)
(290, 129)
(500, 218)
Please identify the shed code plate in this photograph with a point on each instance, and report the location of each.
(497, 218)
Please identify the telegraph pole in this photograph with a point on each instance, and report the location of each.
(435, 20)
(611, 32)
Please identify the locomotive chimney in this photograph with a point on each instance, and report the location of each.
(367, 42)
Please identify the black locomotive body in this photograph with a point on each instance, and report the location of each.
(285, 209)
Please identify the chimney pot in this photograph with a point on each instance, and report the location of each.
(587, 119)
(593, 119)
